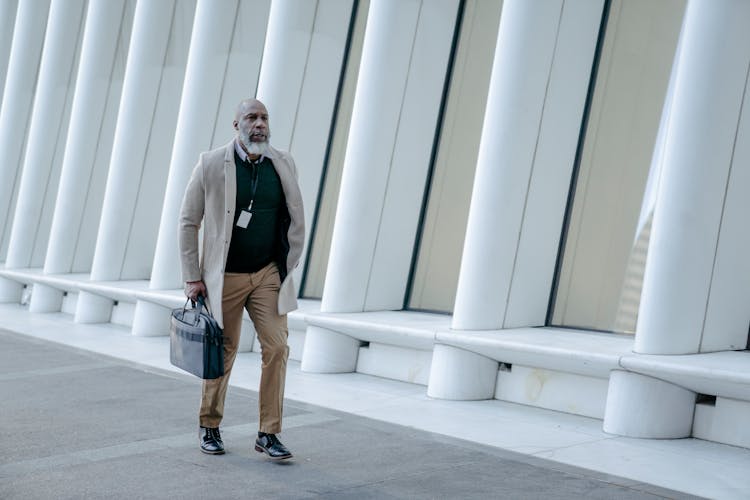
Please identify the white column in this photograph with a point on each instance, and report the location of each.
(303, 54)
(288, 36)
(388, 38)
(28, 37)
(706, 100)
(151, 30)
(8, 10)
(706, 96)
(520, 72)
(518, 84)
(54, 82)
(87, 112)
(204, 77)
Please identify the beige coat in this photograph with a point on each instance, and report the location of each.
(210, 198)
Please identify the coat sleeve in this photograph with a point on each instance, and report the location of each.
(191, 216)
(296, 233)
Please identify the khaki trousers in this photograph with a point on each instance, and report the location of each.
(258, 293)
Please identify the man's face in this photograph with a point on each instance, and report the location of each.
(252, 123)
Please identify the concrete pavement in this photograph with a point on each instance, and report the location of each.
(79, 425)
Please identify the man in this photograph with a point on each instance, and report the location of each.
(247, 196)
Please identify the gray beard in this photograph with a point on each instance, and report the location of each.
(257, 148)
(253, 148)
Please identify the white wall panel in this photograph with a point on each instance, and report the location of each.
(547, 196)
(323, 214)
(15, 113)
(412, 150)
(317, 100)
(290, 27)
(222, 68)
(388, 44)
(47, 135)
(8, 10)
(94, 144)
(521, 72)
(153, 82)
(243, 66)
(728, 310)
(552, 389)
(302, 64)
(223, 63)
(442, 235)
(707, 96)
(141, 243)
(601, 269)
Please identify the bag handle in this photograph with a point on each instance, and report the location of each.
(202, 305)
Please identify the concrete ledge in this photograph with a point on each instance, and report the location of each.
(128, 292)
(408, 329)
(124, 290)
(724, 373)
(131, 291)
(573, 351)
(29, 276)
(297, 320)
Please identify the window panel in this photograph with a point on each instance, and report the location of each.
(320, 245)
(435, 275)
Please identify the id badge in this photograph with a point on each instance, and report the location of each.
(244, 219)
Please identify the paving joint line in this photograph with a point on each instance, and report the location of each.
(184, 440)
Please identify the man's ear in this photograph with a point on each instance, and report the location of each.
(235, 124)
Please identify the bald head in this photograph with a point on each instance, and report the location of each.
(245, 105)
(251, 125)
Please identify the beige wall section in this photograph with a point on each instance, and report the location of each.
(633, 76)
(444, 228)
(318, 92)
(320, 245)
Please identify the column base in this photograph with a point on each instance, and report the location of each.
(461, 375)
(645, 407)
(150, 320)
(327, 351)
(45, 299)
(93, 308)
(10, 291)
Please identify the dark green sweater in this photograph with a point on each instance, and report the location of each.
(256, 246)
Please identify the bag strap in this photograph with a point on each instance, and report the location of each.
(202, 304)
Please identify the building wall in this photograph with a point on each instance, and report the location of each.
(540, 202)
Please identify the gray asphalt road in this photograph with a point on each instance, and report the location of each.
(77, 425)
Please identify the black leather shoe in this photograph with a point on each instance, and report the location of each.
(210, 440)
(270, 445)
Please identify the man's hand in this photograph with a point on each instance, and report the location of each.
(195, 288)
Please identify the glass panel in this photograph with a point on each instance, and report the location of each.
(607, 240)
(436, 273)
(321, 241)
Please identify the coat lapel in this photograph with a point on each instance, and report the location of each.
(230, 191)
